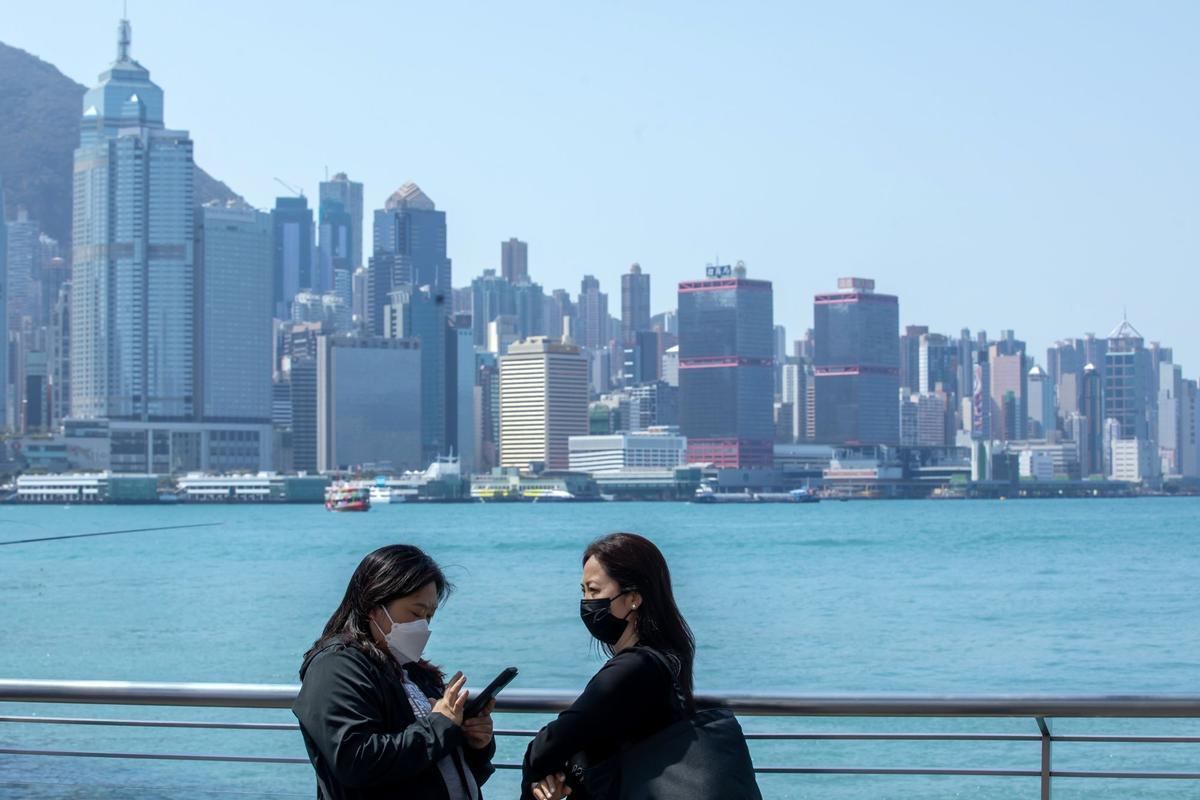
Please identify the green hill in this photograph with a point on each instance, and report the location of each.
(39, 130)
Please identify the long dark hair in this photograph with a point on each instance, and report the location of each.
(635, 563)
(396, 570)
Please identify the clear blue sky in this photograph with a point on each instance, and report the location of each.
(1022, 165)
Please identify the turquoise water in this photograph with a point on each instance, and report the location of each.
(1075, 596)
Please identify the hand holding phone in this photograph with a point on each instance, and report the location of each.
(479, 702)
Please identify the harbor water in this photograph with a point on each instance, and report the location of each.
(933, 597)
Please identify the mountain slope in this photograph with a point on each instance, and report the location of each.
(39, 130)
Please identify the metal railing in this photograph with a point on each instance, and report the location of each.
(1040, 710)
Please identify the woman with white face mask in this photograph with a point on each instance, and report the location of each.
(378, 720)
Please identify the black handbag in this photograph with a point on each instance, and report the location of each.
(701, 756)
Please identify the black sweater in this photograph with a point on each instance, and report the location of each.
(629, 699)
(363, 738)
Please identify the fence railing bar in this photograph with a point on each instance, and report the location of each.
(762, 736)
(896, 737)
(18, 751)
(999, 773)
(1153, 776)
(154, 723)
(767, 770)
(1129, 739)
(548, 701)
(192, 789)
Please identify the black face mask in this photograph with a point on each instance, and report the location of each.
(598, 618)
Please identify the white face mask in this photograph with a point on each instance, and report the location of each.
(406, 640)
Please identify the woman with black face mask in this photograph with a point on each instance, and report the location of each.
(629, 607)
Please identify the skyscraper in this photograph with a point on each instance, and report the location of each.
(334, 253)
(1089, 437)
(491, 296)
(1128, 383)
(1170, 418)
(350, 194)
(910, 356)
(3, 314)
(460, 394)
(543, 402)
(132, 336)
(592, 315)
(410, 227)
(235, 288)
(1042, 414)
(1009, 372)
(368, 402)
(726, 369)
(635, 303)
(420, 314)
(23, 251)
(857, 365)
(937, 363)
(514, 261)
(292, 221)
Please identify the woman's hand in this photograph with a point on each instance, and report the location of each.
(551, 787)
(453, 699)
(479, 729)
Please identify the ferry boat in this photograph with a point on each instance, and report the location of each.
(347, 497)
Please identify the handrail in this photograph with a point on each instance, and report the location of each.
(1037, 708)
(265, 695)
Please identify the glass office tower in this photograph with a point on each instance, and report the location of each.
(856, 365)
(133, 266)
(726, 370)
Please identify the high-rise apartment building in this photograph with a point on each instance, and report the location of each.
(857, 365)
(294, 272)
(514, 261)
(349, 194)
(132, 354)
(543, 402)
(635, 303)
(726, 369)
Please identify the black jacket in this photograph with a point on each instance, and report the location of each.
(629, 699)
(363, 738)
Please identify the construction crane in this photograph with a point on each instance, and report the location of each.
(290, 188)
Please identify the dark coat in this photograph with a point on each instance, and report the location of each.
(629, 699)
(363, 738)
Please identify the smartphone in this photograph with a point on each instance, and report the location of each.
(479, 702)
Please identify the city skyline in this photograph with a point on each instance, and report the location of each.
(1049, 257)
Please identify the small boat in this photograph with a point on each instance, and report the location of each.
(706, 494)
(804, 496)
(347, 497)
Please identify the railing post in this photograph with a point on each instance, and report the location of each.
(1046, 742)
